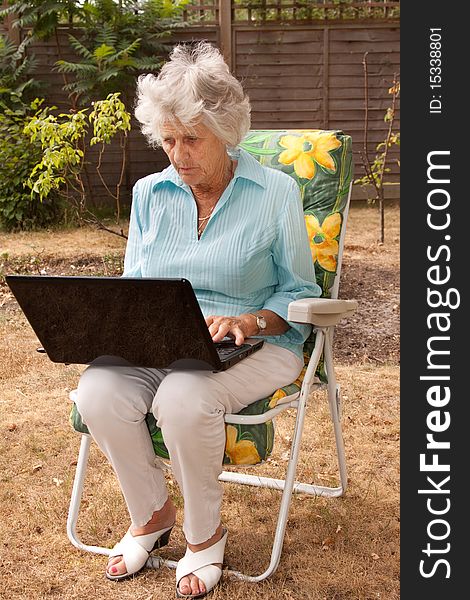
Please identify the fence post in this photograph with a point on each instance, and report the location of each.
(225, 28)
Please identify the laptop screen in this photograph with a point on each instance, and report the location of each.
(148, 322)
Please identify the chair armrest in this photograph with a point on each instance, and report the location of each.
(322, 312)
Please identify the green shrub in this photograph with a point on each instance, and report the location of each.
(63, 143)
(15, 72)
(116, 41)
(19, 209)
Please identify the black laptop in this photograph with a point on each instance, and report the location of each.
(147, 322)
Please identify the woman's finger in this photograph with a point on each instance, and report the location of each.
(221, 327)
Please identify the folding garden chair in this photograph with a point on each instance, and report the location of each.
(321, 163)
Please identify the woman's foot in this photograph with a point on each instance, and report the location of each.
(191, 585)
(161, 519)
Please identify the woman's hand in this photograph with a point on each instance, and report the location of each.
(244, 326)
(237, 328)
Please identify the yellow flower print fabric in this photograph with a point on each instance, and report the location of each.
(324, 240)
(240, 451)
(308, 149)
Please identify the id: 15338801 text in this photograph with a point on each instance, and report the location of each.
(435, 70)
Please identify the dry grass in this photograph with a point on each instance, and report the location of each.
(345, 549)
(66, 243)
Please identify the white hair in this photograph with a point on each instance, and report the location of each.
(195, 86)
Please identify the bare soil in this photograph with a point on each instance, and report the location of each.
(371, 275)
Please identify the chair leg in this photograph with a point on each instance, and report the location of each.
(334, 401)
(288, 488)
(76, 498)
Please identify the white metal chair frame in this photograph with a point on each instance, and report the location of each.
(323, 314)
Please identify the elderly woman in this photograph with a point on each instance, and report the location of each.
(236, 230)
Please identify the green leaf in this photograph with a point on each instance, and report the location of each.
(80, 48)
(109, 74)
(103, 51)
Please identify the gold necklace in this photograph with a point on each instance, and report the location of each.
(202, 221)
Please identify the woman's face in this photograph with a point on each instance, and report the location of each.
(197, 154)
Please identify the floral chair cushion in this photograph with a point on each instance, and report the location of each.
(321, 163)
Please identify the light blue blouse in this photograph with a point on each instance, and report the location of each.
(253, 254)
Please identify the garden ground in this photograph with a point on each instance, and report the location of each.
(344, 549)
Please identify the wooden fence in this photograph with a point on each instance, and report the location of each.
(298, 74)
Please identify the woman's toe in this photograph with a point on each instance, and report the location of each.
(191, 585)
(184, 586)
(197, 587)
(116, 566)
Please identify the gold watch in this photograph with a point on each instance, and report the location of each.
(260, 323)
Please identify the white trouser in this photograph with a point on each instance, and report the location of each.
(189, 407)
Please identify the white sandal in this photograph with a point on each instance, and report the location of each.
(135, 551)
(202, 564)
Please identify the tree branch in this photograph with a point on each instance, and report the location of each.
(93, 220)
(365, 154)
